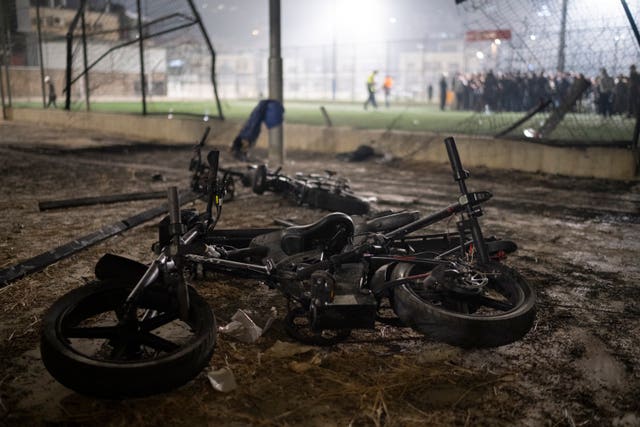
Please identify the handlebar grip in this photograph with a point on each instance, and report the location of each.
(213, 158)
(454, 158)
(173, 205)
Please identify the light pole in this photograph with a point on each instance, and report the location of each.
(276, 137)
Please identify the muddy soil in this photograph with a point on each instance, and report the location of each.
(579, 245)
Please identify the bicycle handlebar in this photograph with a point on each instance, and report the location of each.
(459, 173)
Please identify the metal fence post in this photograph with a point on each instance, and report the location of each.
(40, 55)
(85, 60)
(143, 82)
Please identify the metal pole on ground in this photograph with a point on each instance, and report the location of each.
(276, 137)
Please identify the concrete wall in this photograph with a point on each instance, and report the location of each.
(599, 162)
(26, 85)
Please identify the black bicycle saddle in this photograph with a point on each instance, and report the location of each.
(330, 233)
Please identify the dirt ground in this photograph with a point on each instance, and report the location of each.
(579, 245)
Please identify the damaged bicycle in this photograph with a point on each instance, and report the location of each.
(142, 329)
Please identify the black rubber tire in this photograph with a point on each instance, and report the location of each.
(259, 181)
(100, 377)
(468, 330)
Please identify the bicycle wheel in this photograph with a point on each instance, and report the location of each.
(86, 348)
(485, 306)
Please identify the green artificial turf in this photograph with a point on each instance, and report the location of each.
(399, 117)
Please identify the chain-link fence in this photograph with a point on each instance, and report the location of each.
(552, 48)
(514, 57)
(128, 56)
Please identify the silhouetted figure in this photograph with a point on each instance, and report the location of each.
(386, 87)
(371, 90)
(605, 91)
(429, 92)
(443, 92)
(52, 92)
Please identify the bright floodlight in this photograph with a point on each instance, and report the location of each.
(361, 19)
(479, 55)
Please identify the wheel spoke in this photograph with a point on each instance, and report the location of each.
(106, 332)
(119, 350)
(157, 321)
(156, 342)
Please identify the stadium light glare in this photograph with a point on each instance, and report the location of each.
(360, 19)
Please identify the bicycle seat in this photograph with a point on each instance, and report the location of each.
(330, 233)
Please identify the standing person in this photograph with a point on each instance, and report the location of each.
(386, 86)
(371, 90)
(52, 92)
(605, 92)
(443, 92)
(429, 92)
(634, 92)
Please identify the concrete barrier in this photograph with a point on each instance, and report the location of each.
(598, 162)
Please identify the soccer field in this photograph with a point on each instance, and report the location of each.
(398, 117)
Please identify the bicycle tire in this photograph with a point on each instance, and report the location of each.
(68, 360)
(439, 321)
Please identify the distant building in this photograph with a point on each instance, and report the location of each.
(106, 25)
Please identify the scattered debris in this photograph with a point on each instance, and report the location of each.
(362, 153)
(40, 262)
(244, 328)
(222, 380)
(282, 349)
(302, 367)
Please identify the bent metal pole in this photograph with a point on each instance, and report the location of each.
(276, 136)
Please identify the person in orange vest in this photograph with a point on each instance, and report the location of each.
(371, 90)
(386, 86)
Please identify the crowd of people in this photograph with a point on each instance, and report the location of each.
(516, 91)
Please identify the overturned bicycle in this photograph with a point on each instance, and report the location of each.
(139, 329)
(324, 191)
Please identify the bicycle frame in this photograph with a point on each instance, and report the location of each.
(376, 250)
